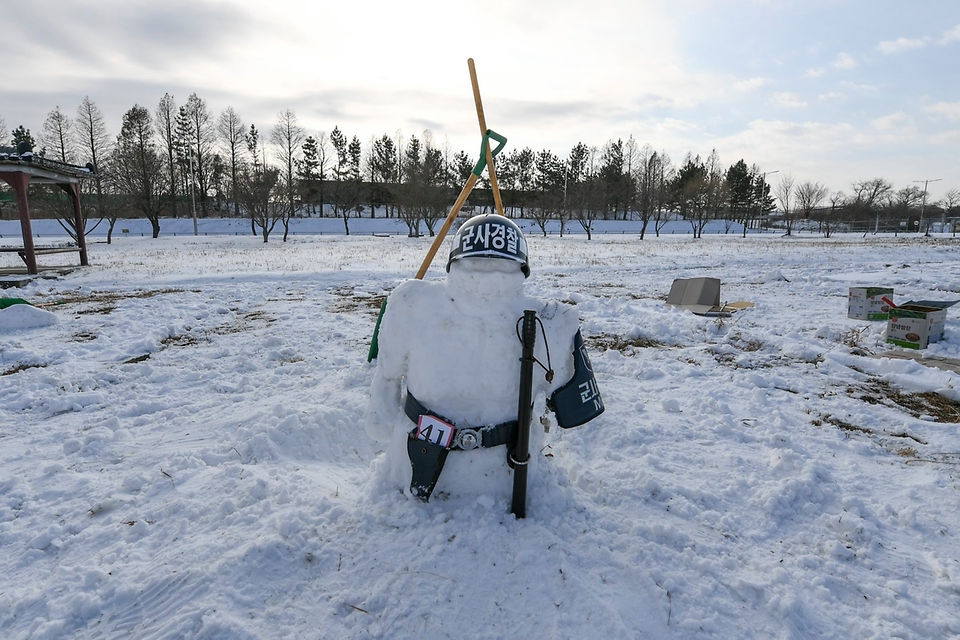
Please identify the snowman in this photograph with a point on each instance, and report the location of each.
(445, 391)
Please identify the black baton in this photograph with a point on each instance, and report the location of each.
(521, 452)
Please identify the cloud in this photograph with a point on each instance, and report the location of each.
(674, 125)
(833, 96)
(815, 72)
(845, 62)
(894, 122)
(860, 88)
(751, 84)
(787, 99)
(902, 44)
(951, 36)
(950, 110)
(779, 139)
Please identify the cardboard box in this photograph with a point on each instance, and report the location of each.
(915, 326)
(702, 297)
(865, 303)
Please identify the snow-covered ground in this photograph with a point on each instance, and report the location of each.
(182, 452)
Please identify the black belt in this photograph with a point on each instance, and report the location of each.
(466, 438)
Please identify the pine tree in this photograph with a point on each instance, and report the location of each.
(308, 174)
(138, 166)
(21, 135)
(383, 173)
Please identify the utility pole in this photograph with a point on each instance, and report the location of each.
(563, 208)
(923, 206)
(193, 201)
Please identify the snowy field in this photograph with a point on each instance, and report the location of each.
(182, 452)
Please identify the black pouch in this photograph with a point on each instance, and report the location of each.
(578, 401)
(427, 460)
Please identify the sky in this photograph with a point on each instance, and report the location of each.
(831, 91)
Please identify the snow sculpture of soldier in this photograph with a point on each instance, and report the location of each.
(454, 348)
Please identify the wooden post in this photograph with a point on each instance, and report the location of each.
(21, 182)
(74, 191)
(491, 170)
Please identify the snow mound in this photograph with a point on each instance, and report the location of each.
(774, 275)
(25, 316)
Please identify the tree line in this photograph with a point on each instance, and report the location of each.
(182, 160)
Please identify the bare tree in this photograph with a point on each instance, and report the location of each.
(716, 186)
(664, 174)
(4, 134)
(829, 220)
(287, 137)
(809, 196)
(869, 198)
(55, 198)
(784, 193)
(94, 144)
(231, 130)
(166, 125)
(58, 144)
(646, 173)
(904, 205)
(56, 137)
(262, 192)
(951, 207)
(202, 141)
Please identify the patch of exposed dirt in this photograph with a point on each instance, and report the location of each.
(889, 440)
(105, 301)
(17, 368)
(626, 346)
(927, 403)
(184, 340)
(111, 296)
(350, 300)
(104, 310)
(746, 344)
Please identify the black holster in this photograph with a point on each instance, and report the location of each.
(426, 460)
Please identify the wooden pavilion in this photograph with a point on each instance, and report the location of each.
(19, 169)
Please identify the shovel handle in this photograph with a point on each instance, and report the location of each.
(491, 170)
(441, 234)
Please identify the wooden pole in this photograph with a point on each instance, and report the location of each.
(467, 188)
(492, 172)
